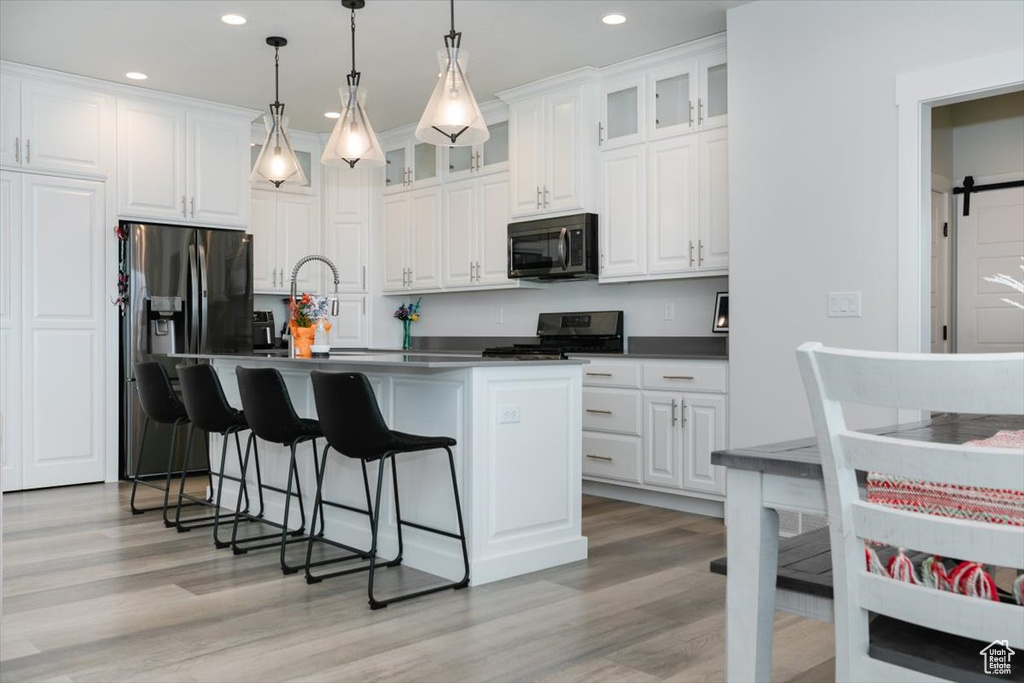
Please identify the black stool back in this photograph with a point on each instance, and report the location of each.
(156, 395)
(204, 400)
(269, 409)
(356, 428)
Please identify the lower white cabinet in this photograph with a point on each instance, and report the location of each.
(654, 424)
(53, 328)
(284, 229)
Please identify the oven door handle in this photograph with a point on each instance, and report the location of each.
(563, 248)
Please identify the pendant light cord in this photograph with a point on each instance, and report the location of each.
(453, 39)
(353, 76)
(277, 76)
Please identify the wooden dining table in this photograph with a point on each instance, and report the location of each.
(788, 475)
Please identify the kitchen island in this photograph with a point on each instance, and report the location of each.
(518, 458)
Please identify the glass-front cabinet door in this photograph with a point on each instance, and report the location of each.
(424, 164)
(489, 157)
(622, 112)
(712, 103)
(396, 171)
(673, 100)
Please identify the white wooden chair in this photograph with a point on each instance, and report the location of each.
(967, 383)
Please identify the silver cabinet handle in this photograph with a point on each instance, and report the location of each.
(599, 412)
(676, 377)
(600, 130)
(674, 418)
(700, 111)
(28, 151)
(478, 271)
(273, 278)
(546, 193)
(478, 164)
(364, 305)
(538, 196)
(599, 374)
(364, 277)
(17, 150)
(183, 214)
(192, 206)
(598, 457)
(691, 253)
(700, 252)
(691, 113)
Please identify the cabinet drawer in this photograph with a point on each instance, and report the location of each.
(611, 410)
(686, 377)
(611, 457)
(611, 375)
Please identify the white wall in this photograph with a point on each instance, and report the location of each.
(813, 180)
(942, 142)
(988, 136)
(474, 313)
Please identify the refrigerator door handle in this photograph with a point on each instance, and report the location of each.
(203, 301)
(191, 329)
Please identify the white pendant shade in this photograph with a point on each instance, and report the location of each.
(452, 116)
(277, 162)
(353, 139)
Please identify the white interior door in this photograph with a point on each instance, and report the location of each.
(10, 331)
(63, 338)
(940, 274)
(990, 242)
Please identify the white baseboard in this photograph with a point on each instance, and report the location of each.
(671, 501)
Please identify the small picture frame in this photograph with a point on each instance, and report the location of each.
(721, 321)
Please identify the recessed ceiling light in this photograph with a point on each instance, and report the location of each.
(614, 19)
(233, 19)
(332, 114)
(136, 75)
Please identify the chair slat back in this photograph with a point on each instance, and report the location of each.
(963, 383)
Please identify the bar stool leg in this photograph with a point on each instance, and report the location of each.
(238, 503)
(317, 509)
(170, 466)
(398, 516)
(138, 463)
(238, 449)
(374, 523)
(293, 472)
(181, 479)
(462, 529)
(217, 543)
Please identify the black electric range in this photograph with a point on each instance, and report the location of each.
(559, 334)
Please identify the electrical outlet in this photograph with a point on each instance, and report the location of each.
(508, 414)
(844, 304)
(499, 316)
(670, 310)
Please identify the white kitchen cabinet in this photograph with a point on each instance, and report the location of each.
(474, 236)
(623, 102)
(663, 439)
(409, 163)
(55, 127)
(346, 235)
(672, 202)
(284, 229)
(350, 328)
(623, 230)
(182, 165)
(652, 425)
(713, 234)
(491, 156)
(687, 96)
(704, 429)
(549, 156)
(52, 336)
(712, 102)
(412, 241)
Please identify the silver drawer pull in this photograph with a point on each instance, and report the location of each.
(676, 377)
(599, 374)
(602, 412)
(598, 457)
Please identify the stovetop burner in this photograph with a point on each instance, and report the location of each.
(559, 334)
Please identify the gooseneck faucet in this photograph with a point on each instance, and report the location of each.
(335, 306)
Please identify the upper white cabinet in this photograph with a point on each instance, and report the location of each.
(550, 158)
(181, 164)
(623, 103)
(475, 233)
(284, 229)
(491, 156)
(55, 127)
(345, 236)
(412, 241)
(409, 163)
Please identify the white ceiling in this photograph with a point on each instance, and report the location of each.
(185, 49)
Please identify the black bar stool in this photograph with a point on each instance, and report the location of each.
(160, 404)
(353, 426)
(209, 410)
(271, 416)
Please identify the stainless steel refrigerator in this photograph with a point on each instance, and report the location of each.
(189, 291)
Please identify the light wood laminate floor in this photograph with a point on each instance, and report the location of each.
(93, 593)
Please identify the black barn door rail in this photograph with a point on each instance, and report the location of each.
(969, 187)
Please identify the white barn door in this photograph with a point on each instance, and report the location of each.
(990, 241)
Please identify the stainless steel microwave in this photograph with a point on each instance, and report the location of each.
(562, 248)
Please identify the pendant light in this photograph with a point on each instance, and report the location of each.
(452, 116)
(353, 140)
(277, 161)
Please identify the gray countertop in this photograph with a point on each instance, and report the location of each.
(389, 359)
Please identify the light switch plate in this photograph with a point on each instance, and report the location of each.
(844, 305)
(508, 414)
